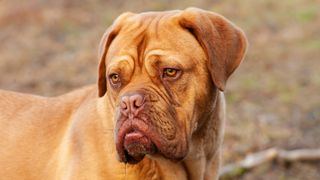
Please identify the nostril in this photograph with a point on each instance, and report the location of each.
(137, 101)
(136, 104)
(124, 103)
(133, 103)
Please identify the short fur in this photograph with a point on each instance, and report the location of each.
(80, 135)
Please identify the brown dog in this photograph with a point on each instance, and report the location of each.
(158, 111)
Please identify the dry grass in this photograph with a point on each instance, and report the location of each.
(49, 47)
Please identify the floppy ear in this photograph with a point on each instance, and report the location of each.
(224, 43)
(105, 43)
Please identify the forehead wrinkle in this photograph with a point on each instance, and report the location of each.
(118, 60)
(165, 56)
(129, 49)
(139, 37)
(141, 49)
(157, 24)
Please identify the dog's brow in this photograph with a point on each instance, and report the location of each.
(121, 62)
(165, 59)
(155, 52)
(121, 59)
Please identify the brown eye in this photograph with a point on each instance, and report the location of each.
(170, 72)
(114, 78)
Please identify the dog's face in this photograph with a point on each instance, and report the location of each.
(156, 70)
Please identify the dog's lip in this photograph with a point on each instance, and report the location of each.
(164, 147)
(132, 142)
(137, 145)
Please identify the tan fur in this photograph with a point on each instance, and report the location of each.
(73, 136)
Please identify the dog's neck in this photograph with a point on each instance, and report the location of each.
(204, 155)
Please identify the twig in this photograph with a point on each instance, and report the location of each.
(256, 159)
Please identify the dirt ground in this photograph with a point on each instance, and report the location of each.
(50, 47)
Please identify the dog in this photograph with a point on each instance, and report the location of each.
(157, 111)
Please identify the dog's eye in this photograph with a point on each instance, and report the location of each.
(114, 78)
(170, 72)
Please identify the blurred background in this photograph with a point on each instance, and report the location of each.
(49, 47)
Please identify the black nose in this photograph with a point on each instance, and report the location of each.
(132, 103)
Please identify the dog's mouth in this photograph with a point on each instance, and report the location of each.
(132, 145)
(136, 146)
(136, 137)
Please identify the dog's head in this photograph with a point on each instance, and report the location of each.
(161, 72)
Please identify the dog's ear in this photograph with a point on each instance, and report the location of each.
(224, 43)
(105, 43)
